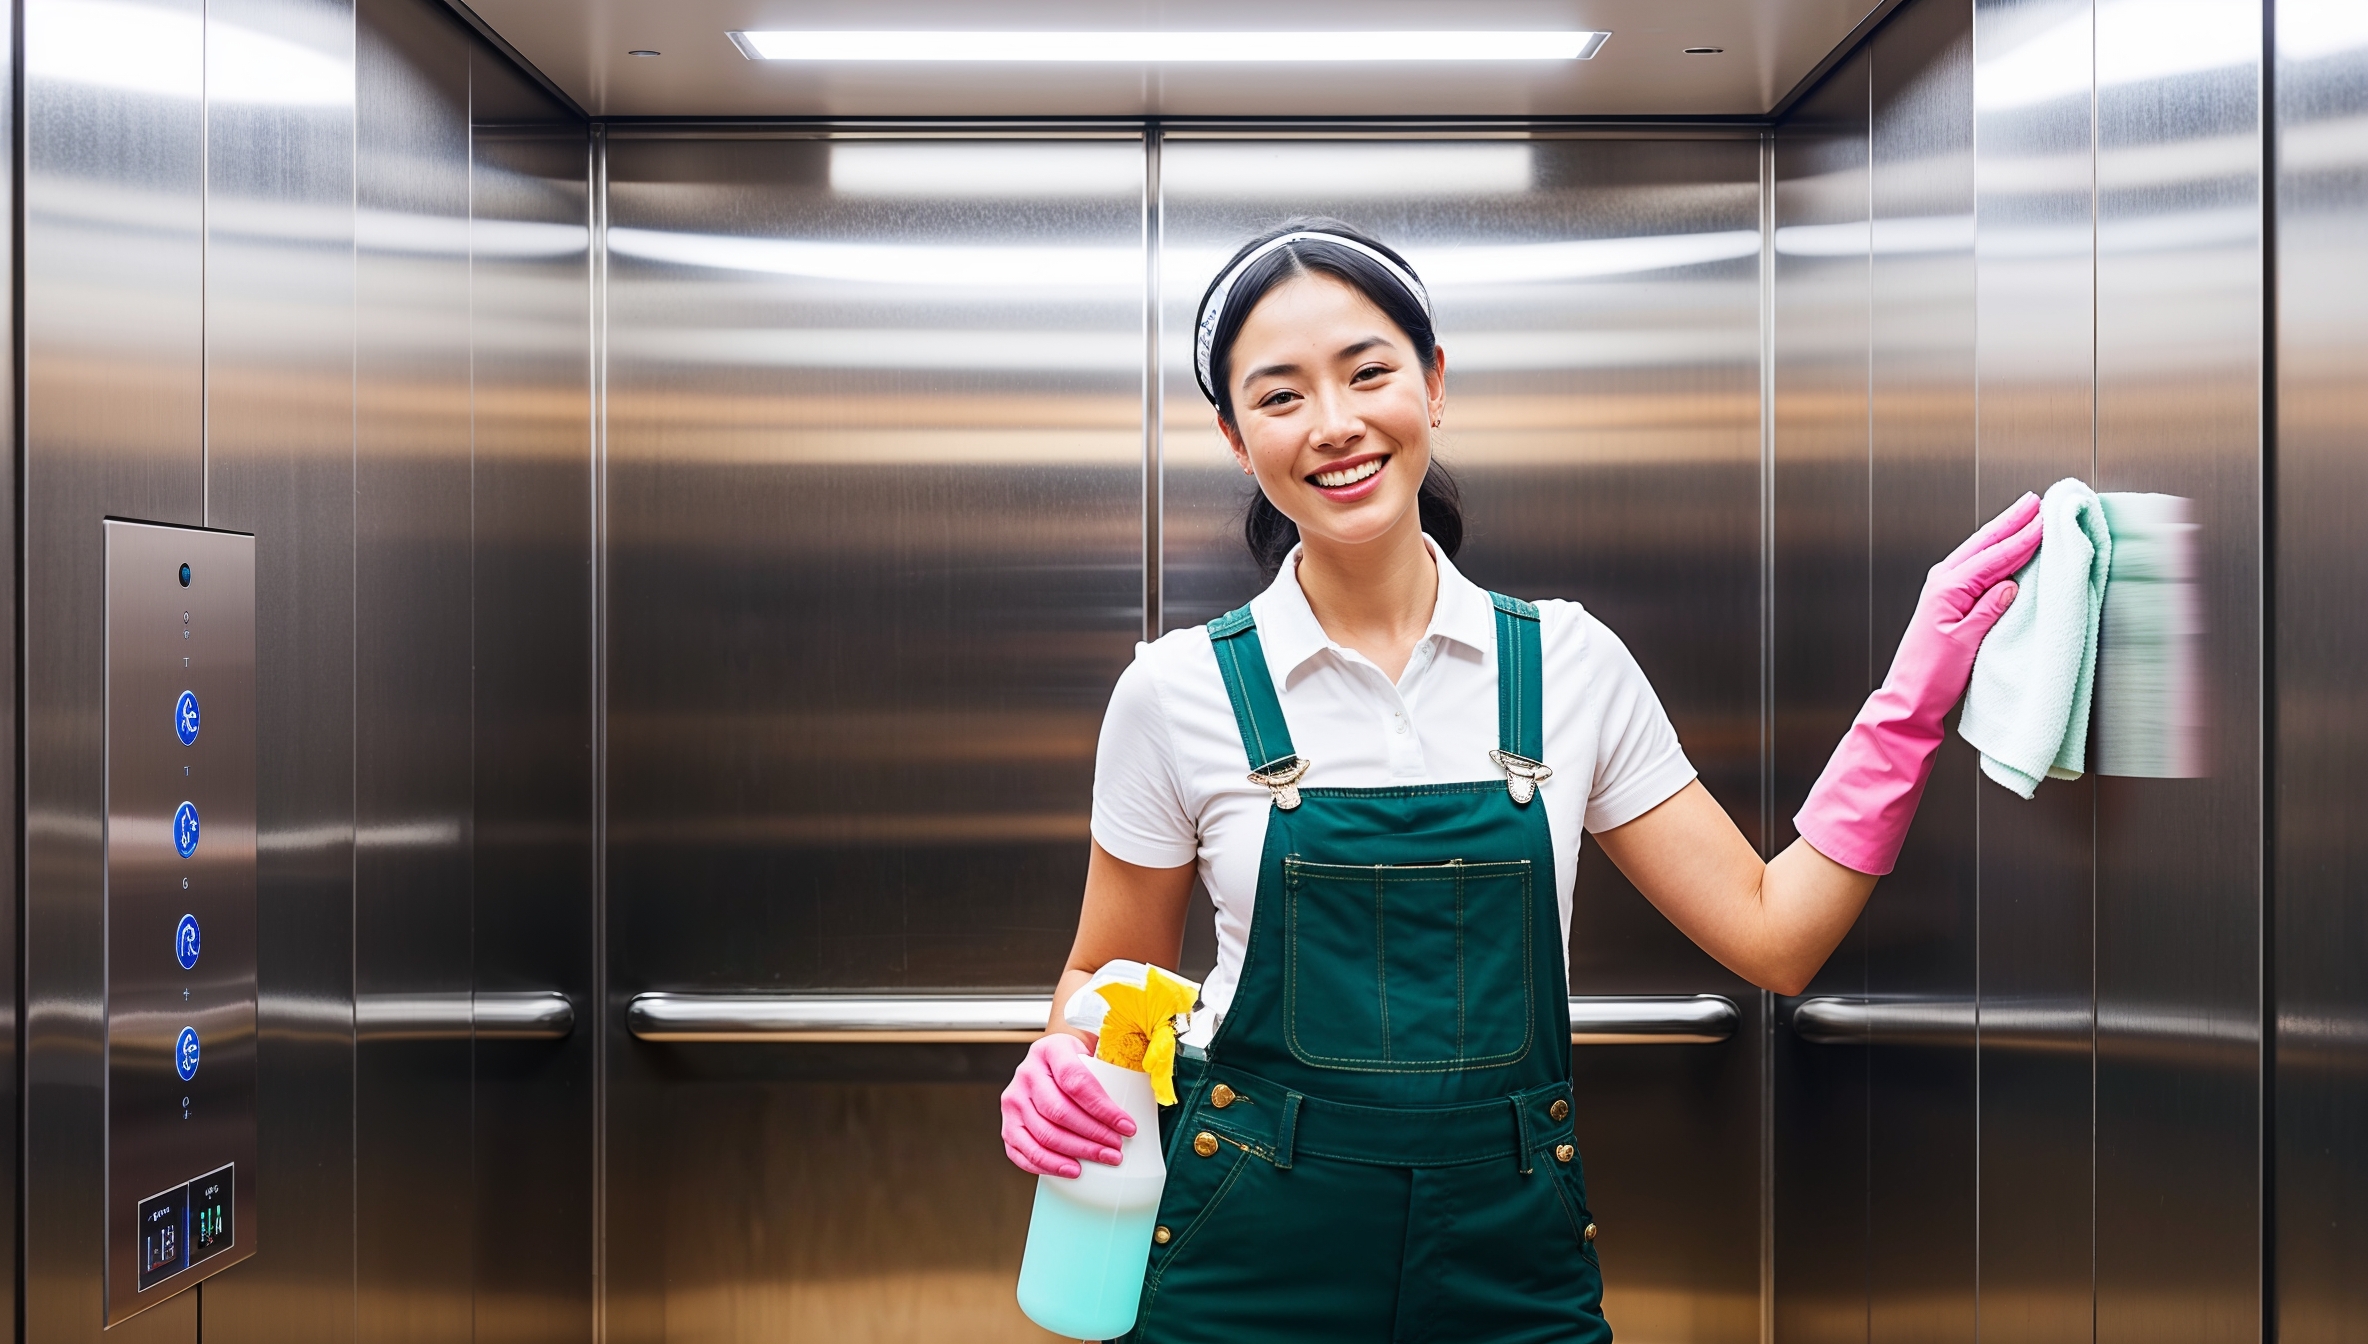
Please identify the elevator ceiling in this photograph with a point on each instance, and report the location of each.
(1766, 48)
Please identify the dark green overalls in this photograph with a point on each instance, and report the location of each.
(1377, 1146)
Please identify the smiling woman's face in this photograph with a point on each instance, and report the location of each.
(1332, 411)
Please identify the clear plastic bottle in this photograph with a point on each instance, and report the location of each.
(1089, 1237)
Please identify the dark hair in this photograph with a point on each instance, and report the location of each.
(1268, 531)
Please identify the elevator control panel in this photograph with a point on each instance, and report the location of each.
(180, 903)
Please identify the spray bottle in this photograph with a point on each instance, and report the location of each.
(1089, 1237)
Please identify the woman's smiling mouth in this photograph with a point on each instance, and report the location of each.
(1352, 479)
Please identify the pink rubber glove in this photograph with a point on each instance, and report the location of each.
(1054, 1113)
(1858, 813)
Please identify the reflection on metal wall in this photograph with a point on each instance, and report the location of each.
(279, 463)
(2178, 893)
(191, 329)
(112, 324)
(530, 403)
(1598, 300)
(1920, 930)
(1821, 665)
(874, 547)
(2035, 325)
(412, 686)
(2118, 1003)
(2322, 735)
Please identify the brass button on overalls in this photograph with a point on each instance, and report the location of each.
(1563, 1152)
(1589, 1234)
(1560, 1110)
(1162, 1236)
(1221, 1096)
(1203, 1143)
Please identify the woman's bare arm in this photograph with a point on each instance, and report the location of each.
(1131, 913)
(1772, 923)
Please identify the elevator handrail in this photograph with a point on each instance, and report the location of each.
(1676, 1019)
(533, 1015)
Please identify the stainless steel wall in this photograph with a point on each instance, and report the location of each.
(874, 548)
(2034, 344)
(380, 365)
(113, 407)
(2321, 943)
(1821, 662)
(1598, 299)
(535, 925)
(2060, 244)
(413, 710)
(279, 289)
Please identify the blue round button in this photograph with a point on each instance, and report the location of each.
(185, 1054)
(185, 829)
(187, 942)
(185, 718)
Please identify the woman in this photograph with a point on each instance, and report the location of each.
(1381, 773)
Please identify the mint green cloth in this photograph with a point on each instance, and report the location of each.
(2027, 706)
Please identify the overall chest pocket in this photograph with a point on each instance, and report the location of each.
(1408, 968)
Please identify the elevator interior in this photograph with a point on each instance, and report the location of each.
(699, 510)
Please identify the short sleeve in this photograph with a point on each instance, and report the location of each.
(1638, 762)
(1139, 813)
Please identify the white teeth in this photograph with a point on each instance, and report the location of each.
(1333, 480)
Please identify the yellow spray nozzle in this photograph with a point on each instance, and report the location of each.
(1139, 1032)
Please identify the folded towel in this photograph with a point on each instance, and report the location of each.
(2149, 709)
(2026, 709)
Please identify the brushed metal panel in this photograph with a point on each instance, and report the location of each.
(1921, 927)
(112, 406)
(2322, 751)
(874, 558)
(180, 917)
(12, 737)
(1603, 419)
(279, 463)
(2179, 331)
(530, 340)
(413, 803)
(1821, 662)
(2034, 183)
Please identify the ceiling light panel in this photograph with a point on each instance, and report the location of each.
(1154, 48)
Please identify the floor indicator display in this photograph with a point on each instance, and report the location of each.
(180, 909)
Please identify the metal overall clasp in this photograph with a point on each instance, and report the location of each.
(1283, 778)
(1522, 775)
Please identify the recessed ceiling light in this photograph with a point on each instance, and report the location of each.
(641, 51)
(1704, 51)
(1141, 48)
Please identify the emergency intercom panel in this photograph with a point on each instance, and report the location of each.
(180, 909)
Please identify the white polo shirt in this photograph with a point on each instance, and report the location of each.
(1171, 781)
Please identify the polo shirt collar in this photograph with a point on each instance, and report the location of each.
(1291, 635)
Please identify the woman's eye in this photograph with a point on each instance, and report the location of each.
(1277, 398)
(1368, 372)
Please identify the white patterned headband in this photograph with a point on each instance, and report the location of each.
(1212, 306)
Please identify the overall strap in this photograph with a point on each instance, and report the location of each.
(1520, 679)
(1240, 657)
